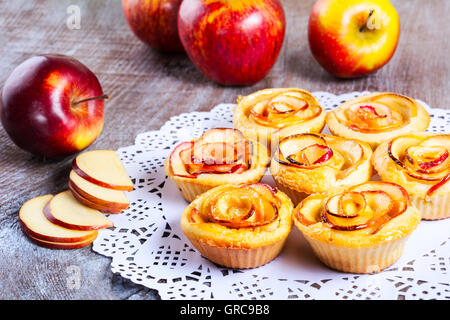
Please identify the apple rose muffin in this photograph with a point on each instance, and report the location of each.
(317, 163)
(420, 163)
(378, 117)
(220, 156)
(272, 114)
(360, 230)
(239, 226)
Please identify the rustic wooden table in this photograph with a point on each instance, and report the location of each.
(146, 89)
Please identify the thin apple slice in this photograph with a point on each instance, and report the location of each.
(64, 210)
(103, 168)
(103, 199)
(36, 225)
(93, 205)
(63, 245)
(295, 143)
(223, 135)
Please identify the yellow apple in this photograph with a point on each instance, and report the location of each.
(353, 38)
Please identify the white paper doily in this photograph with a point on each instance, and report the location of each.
(148, 247)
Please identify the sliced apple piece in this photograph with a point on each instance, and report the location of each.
(103, 168)
(34, 224)
(64, 210)
(63, 245)
(93, 205)
(223, 135)
(104, 199)
(438, 185)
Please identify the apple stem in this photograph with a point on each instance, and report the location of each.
(364, 26)
(105, 96)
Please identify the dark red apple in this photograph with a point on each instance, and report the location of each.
(232, 42)
(52, 106)
(154, 22)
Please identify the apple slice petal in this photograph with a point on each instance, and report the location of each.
(222, 135)
(35, 224)
(64, 210)
(103, 198)
(296, 143)
(103, 168)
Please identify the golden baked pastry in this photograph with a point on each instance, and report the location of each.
(360, 230)
(317, 163)
(420, 163)
(272, 114)
(239, 226)
(220, 156)
(378, 117)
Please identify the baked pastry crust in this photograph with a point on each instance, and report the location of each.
(220, 156)
(360, 230)
(317, 163)
(420, 163)
(239, 226)
(270, 115)
(378, 117)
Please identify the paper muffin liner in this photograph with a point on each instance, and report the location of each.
(358, 260)
(238, 258)
(433, 208)
(190, 190)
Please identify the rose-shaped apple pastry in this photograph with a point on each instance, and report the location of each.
(360, 230)
(317, 163)
(219, 156)
(239, 226)
(420, 163)
(378, 117)
(272, 114)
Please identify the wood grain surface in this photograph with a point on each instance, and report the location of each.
(146, 89)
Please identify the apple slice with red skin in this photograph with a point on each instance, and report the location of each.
(103, 168)
(317, 153)
(395, 150)
(251, 205)
(93, 205)
(373, 111)
(63, 245)
(100, 198)
(430, 164)
(64, 210)
(34, 224)
(438, 185)
(338, 219)
(189, 159)
(293, 145)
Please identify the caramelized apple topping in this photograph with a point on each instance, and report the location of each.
(309, 151)
(247, 206)
(423, 158)
(379, 113)
(284, 109)
(218, 151)
(368, 208)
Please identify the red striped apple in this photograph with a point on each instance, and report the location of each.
(154, 22)
(353, 38)
(232, 42)
(52, 106)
